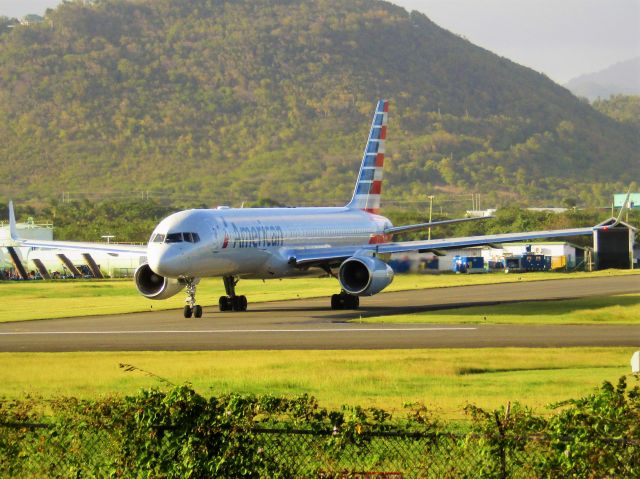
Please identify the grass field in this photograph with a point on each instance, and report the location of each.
(620, 309)
(54, 299)
(444, 380)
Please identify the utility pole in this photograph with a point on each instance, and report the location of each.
(430, 211)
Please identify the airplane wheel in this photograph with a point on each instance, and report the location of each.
(354, 302)
(187, 311)
(344, 301)
(197, 311)
(336, 302)
(239, 303)
(224, 303)
(243, 303)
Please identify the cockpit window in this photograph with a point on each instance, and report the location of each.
(191, 237)
(176, 238)
(173, 238)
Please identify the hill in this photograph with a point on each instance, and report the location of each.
(623, 108)
(224, 101)
(620, 79)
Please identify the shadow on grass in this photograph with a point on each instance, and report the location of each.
(470, 371)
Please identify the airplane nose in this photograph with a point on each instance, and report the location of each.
(165, 262)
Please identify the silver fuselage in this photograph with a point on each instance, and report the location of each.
(255, 242)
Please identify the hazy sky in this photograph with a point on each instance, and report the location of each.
(561, 38)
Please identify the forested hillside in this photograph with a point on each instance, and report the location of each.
(225, 101)
(623, 108)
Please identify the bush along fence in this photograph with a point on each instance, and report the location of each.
(181, 434)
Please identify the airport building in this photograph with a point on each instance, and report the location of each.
(562, 256)
(25, 263)
(634, 200)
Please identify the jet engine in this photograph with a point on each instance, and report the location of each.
(154, 286)
(364, 275)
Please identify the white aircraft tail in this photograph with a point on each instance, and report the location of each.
(366, 195)
(13, 231)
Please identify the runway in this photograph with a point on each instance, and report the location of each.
(311, 324)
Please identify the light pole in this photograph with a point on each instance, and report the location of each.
(430, 211)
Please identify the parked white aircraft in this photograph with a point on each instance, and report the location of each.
(347, 242)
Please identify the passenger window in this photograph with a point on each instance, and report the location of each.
(174, 238)
(159, 238)
(196, 237)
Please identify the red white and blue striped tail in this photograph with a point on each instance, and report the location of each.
(366, 195)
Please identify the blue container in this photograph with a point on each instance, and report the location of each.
(535, 262)
(468, 264)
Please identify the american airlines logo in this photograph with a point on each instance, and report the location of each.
(255, 236)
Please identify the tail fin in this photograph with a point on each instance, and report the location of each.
(13, 231)
(366, 195)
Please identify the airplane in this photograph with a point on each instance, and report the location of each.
(348, 242)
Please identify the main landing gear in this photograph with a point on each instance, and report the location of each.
(231, 302)
(345, 301)
(191, 308)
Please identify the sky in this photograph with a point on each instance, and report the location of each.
(560, 38)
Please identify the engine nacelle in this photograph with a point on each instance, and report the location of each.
(364, 275)
(153, 286)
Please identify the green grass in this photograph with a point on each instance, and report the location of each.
(53, 299)
(443, 379)
(619, 309)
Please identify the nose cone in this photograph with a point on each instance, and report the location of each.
(166, 261)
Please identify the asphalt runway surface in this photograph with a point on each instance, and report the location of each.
(311, 324)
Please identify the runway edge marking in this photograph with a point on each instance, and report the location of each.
(236, 331)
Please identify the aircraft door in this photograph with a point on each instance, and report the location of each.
(218, 235)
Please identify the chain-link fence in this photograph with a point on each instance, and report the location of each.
(45, 451)
(396, 455)
(81, 451)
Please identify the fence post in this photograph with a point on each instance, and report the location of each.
(502, 453)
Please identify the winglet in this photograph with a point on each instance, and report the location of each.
(625, 207)
(13, 231)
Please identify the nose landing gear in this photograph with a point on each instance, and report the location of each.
(231, 302)
(191, 308)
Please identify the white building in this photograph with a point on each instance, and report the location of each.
(111, 265)
(28, 230)
(555, 249)
(562, 254)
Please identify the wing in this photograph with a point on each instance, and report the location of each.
(465, 241)
(424, 226)
(333, 256)
(114, 249)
